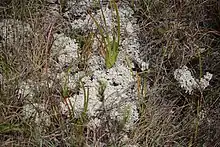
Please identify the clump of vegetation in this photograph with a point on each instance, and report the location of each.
(111, 41)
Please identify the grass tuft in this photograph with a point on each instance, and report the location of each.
(111, 43)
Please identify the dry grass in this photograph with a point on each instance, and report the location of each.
(172, 34)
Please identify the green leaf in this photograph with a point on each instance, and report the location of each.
(6, 127)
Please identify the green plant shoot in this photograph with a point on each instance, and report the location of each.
(111, 44)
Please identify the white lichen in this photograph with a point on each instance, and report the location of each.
(204, 82)
(94, 123)
(119, 95)
(26, 89)
(37, 112)
(188, 82)
(65, 48)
